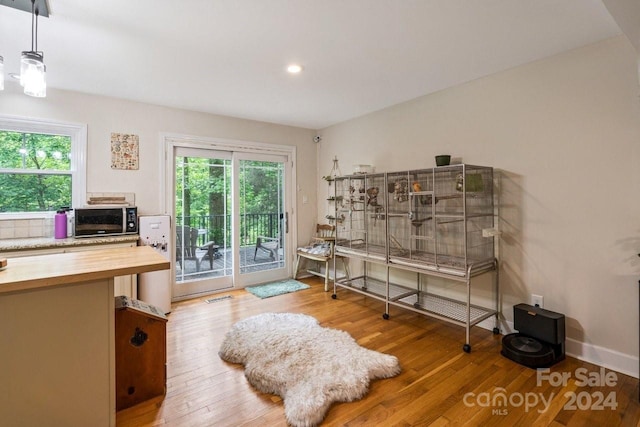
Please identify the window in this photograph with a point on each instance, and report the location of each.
(42, 166)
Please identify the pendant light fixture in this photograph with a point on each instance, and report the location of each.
(32, 68)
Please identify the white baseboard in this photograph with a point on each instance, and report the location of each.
(611, 359)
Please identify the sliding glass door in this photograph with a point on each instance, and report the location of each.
(230, 210)
(262, 216)
(203, 218)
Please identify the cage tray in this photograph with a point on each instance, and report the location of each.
(363, 250)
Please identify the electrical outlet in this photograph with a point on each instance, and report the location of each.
(537, 300)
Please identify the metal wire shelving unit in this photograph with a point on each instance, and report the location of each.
(433, 222)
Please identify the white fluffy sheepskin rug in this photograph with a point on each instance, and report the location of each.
(307, 365)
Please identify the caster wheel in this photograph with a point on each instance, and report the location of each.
(496, 331)
(385, 316)
(466, 348)
(334, 296)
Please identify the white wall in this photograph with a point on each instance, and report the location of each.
(565, 134)
(105, 115)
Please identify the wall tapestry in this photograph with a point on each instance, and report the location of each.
(124, 151)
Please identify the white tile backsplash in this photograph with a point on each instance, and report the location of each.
(21, 232)
(6, 233)
(36, 228)
(25, 228)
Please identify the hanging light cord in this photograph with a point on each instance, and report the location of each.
(37, 13)
(33, 14)
(34, 25)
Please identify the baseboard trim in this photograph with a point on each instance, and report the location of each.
(601, 356)
(611, 359)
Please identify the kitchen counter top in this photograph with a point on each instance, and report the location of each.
(11, 245)
(42, 271)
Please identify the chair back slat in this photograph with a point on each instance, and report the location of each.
(190, 241)
(325, 230)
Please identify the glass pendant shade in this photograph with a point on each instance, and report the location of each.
(1, 73)
(33, 74)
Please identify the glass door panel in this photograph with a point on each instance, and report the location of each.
(204, 255)
(261, 202)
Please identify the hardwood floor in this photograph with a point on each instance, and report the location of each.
(440, 384)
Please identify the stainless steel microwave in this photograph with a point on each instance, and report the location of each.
(105, 221)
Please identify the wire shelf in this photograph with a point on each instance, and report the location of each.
(444, 308)
(373, 287)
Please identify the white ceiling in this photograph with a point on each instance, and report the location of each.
(229, 56)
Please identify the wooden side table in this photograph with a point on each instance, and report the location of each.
(141, 352)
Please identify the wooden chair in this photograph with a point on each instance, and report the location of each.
(269, 244)
(320, 250)
(187, 247)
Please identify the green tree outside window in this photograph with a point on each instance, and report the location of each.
(35, 172)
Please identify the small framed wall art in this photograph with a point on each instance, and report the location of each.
(124, 151)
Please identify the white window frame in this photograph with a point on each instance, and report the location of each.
(78, 134)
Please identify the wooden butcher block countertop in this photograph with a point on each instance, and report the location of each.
(42, 271)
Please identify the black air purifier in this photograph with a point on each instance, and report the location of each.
(539, 342)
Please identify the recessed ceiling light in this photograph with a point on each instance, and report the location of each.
(294, 68)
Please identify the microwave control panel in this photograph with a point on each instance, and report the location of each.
(132, 220)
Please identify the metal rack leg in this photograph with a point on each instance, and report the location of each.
(496, 266)
(386, 300)
(418, 302)
(345, 263)
(467, 346)
(335, 270)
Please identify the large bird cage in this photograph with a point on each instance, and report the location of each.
(437, 216)
(360, 210)
(435, 219)
(434, 222)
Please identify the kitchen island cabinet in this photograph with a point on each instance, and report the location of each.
(57, 328)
